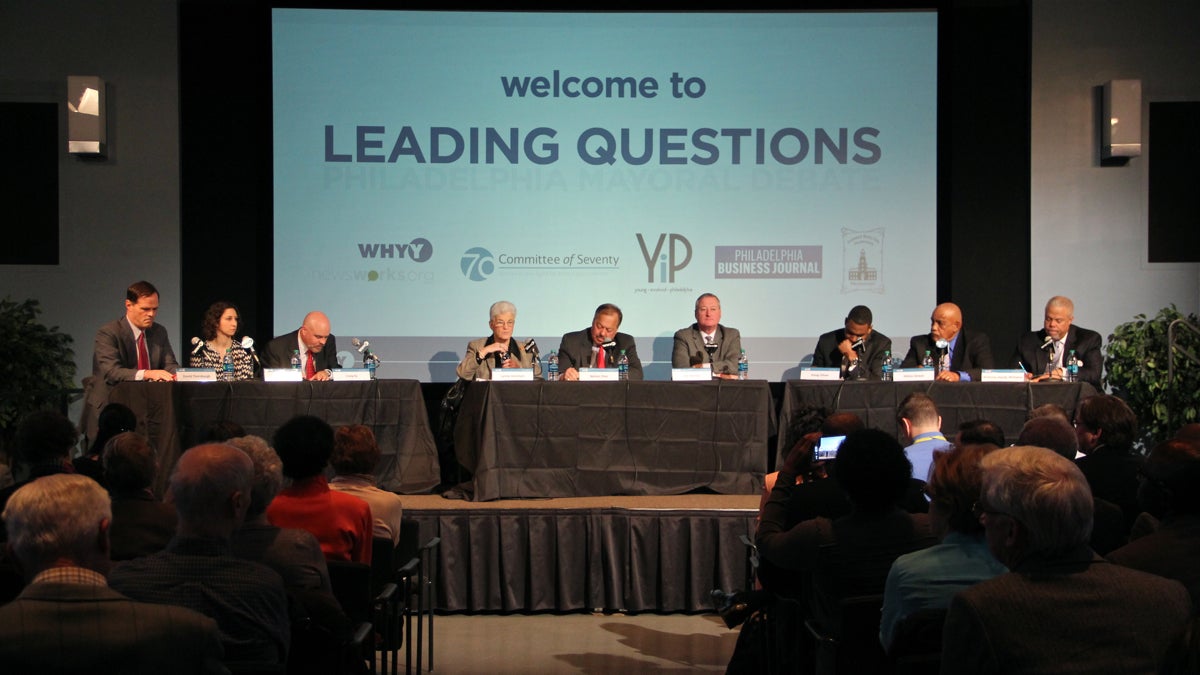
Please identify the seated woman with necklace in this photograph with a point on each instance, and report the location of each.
(220, 324)
(498, 350)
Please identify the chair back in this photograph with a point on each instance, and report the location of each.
(351, 582)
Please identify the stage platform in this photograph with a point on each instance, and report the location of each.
(629, 554)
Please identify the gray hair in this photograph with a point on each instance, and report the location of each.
(502, 307)
(55, 517)
(268, 471)
(129, 462)
(1061, 302)
(1042, 490)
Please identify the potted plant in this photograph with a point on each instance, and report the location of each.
(37, 366)
(1136, 365)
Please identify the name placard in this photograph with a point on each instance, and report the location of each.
(912, 375)
(599, 375)
(282, 375)
(195, 375)
(1002, 375)
(821, 374)
(692, 374)
(512, 375)
(350, 375)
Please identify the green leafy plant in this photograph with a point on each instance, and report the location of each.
(1136, 364)
(37, 365)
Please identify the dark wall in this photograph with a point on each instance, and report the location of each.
(983, 186)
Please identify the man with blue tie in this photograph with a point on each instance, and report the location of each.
(962, 354)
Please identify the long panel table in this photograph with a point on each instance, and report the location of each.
(1006, 404)
(572, 439)
(171, 414)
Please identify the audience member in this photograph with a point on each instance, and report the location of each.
(67, 620)
(921, 427)
(211, 486)
(115, 418)
(44, 442)
(598, 346)
(1170, 489)
(355, 455)
(218, 431)
(341, 522)
(967, 353)
(1106, 428)
(929, 578)
(857, 349)
(141, 524)
(708, 342)
(978, 432)
(1060, 608)
(1050, 410)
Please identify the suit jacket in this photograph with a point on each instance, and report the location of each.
(826, 354)
(278, 353)
(972, 354)
(1086, 344)
(1173, 551)
(77, 628)
(688, 348)
(1074, 613)
(114, 360)
(1113, 476)
(575, 351)
(472, 369)
(141, 525)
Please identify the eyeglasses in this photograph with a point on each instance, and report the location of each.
(979, 509)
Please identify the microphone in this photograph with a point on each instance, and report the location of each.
(531, 347)
(361, 344)
(248, 345)
(858, 344)
(942, 344)
(1048, 343)
(197, 345)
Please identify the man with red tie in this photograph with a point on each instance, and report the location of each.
(314, 343)
(132, 347)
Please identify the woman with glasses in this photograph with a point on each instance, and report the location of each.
(498, 350)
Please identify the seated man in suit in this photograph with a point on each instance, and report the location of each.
(67, 620)
(967, 353)
(211, 486)
(132, 347)
(315, 344)
(1106, 428)
(1060, 608)
(707, 342)
(598, 346)
(1043, 353)
(858, 349)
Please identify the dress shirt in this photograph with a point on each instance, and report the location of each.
(920, 453)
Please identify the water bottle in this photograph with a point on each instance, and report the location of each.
(927, 360)
(372, 363)
(227, 366)
(552, 367)
(887, 366)
(743, 366)
(1071, 372)
(296, 359)
(623, 366)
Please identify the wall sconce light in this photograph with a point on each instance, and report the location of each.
(86, 117)
(1121, 119)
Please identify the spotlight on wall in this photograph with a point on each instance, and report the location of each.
(1121, 120)
(86, 117)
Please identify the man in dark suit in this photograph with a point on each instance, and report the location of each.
(858, 349)
(132, 347)
(1106, 428)
(67, 620)
(315, 344)
(707, 342)
(969, 353)
(1043, 353)
(1061, 607)
(590, 348)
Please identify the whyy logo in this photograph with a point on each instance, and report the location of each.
(677, 255)
(417, 250)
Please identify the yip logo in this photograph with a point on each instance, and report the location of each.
(418, 250)
(477, 264)
(668, 262)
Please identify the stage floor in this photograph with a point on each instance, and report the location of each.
(674, 502)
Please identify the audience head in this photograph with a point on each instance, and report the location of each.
(955, 479)
(114, 418)
(1050, 410)
(58, 519)
(1105, 420)
(1189, 433)
(211, 487)
(980, 431)
(873, 470)
(268, 472)
(1033, 502)
(1050, 432)
(354, 450)
(45, 437)
(220, 317)
(841, 424)
(305, 444)
(918, 414)
(129, 463)
(1171, 479)
(219, 431)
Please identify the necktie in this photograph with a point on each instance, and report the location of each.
(1058, 354)
(143, 354)
(600, 358)
(310, 366)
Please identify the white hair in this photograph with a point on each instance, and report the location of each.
(502, 307)
(55, 517)
(268, 471)
(1044, 491)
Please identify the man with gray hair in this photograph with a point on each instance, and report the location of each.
(211, 487)
(67, 620)
(1061, 608)
(1043, 354)
(708, 342)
